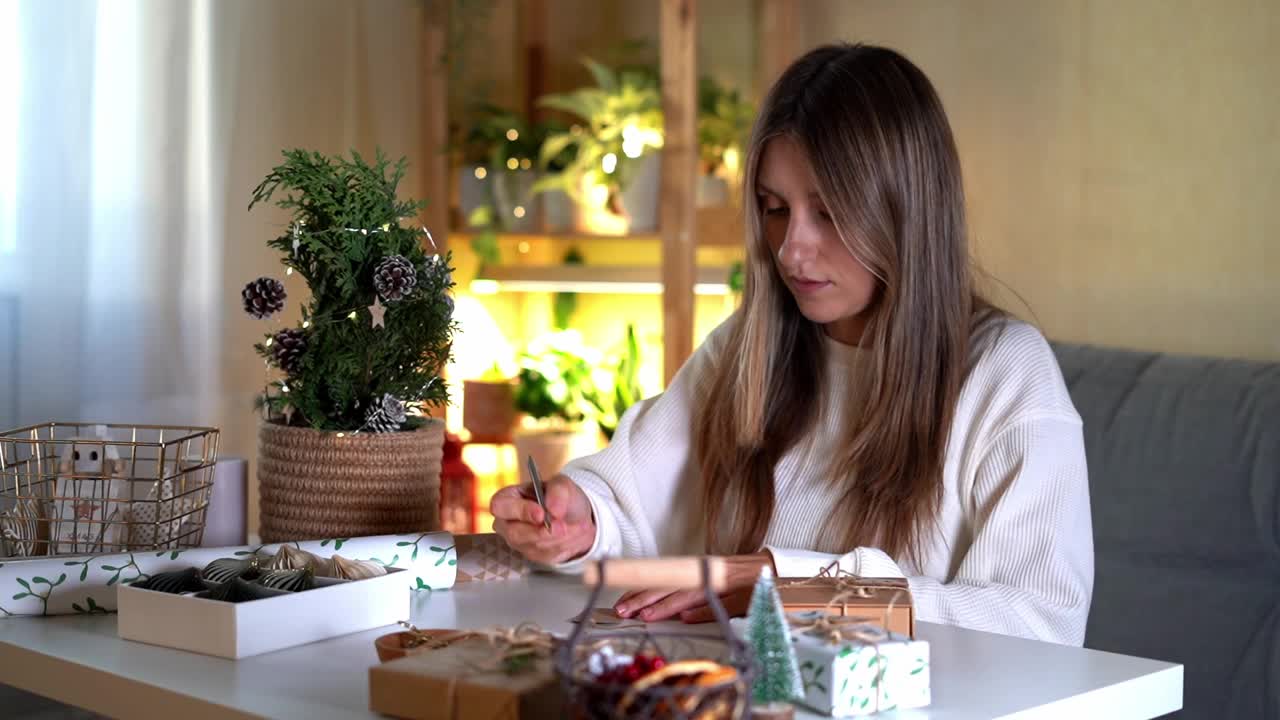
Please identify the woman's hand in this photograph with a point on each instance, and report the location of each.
(519, 520)
(691, 605)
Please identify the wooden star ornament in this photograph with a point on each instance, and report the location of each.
(377, 311)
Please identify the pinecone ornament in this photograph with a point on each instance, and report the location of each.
(395, 278)
(263, 297)
(289, 346)
(386, 415)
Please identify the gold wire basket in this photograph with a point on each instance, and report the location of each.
(89, 488)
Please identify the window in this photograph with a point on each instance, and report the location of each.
(10, 77)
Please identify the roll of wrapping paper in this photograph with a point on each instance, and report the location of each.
(87, 584)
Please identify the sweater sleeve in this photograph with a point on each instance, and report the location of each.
(640, 485)
(1029, 569)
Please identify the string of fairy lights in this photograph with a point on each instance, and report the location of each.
(377, 312)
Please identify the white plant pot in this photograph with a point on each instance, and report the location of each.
(472, 191)
(513, 200)
(551, 450)
(641, 199)
(558, 211)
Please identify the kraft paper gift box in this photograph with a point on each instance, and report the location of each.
(850, 668)
(465, 679)
(883, 601)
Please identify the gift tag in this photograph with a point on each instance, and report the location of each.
(607, 617)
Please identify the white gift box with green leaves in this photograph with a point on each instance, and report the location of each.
(852, 669)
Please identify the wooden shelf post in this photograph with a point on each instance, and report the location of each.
(779, 40)
(679, 31)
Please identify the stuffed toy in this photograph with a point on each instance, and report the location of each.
(90, 498)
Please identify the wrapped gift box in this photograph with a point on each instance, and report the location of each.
(465, 679)
(859, 668)
(883, 601)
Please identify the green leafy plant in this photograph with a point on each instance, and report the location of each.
(625, 390)
(362, 337)
(494, 374)
(564, 304)
(555, 383)
(724, 122)
(485, 242)
(505, 146)
(737, 277)
(619, 119)
(491, 142)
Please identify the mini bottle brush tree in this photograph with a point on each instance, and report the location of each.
(377, 330)
(770, 636)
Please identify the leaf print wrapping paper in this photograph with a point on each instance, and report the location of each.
(87, 584)
(853, 677)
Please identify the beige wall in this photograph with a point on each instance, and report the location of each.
(1122, 158)
(329, 76)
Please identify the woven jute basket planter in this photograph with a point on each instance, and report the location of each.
(314, 484)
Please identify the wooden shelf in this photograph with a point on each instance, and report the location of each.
(716, 226)
(617, 280)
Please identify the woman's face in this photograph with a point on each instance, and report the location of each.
(830, 286)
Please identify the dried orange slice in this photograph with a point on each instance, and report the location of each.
(683, 673)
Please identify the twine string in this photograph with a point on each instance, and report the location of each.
(833, 629)
(510, 644)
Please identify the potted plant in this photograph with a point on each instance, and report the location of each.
(345, 448)
(556, 391)
(615, 168)
(622, 389)
(558, 209)
(724, 122)
(489, 406)
(498, 154)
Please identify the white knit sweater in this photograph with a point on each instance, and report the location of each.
(1012, 550)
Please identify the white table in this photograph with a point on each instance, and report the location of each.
(80, 661)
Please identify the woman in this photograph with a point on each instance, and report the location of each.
(864, 406)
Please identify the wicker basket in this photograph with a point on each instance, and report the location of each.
(316, 484)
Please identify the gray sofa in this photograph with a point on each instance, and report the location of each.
(1184, 466)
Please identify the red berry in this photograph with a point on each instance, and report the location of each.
(658, 663)
(632, 673)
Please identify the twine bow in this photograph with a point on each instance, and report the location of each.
(837, 628)
(518, 646)
(516, 649)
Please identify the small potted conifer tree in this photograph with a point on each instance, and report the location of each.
(346, 447)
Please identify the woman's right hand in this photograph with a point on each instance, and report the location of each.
(518, 518)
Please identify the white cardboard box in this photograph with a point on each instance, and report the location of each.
(237, 630)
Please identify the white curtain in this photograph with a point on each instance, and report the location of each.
(132, 133)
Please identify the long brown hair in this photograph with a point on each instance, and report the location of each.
(887, 171)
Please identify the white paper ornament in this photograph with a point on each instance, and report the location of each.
(345, 569)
